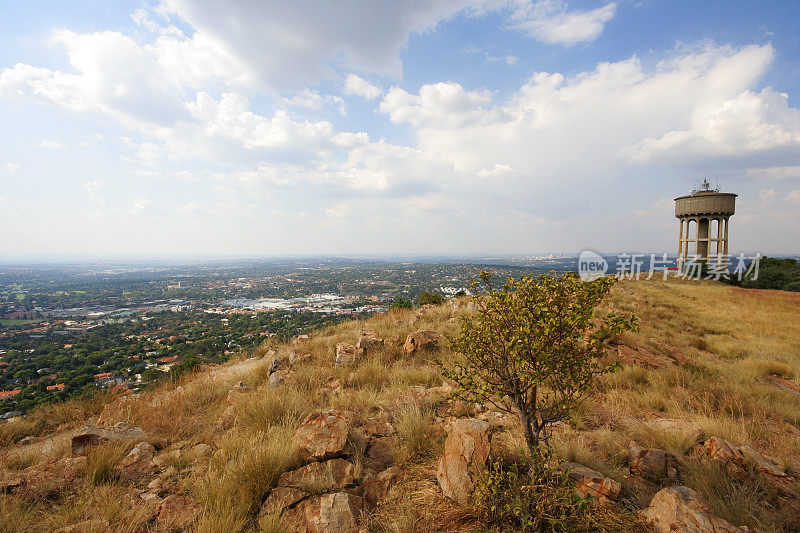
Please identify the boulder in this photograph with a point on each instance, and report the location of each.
(322, 435)
(139, 460)
(296, 358)
(277, 379)
(176, 513)
(682, 510)
(201, 451)
(278, 363)
(465, 453)
(280, 498)
(320, 477)
(651, 463)
(301, 339)
(92, 435)
(591, 483)
(379, 454)
(422, 340)
(739, 459)
(376, 487)
(346, 354)
(338, 512)
(237, 390)
(370, 343)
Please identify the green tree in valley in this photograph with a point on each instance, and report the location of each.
(533, 347)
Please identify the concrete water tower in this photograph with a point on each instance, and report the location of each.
(704, 215)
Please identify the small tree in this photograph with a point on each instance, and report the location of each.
(402, 303)
(430, 298)
(532, 348)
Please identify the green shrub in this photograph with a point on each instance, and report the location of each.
(430, 298)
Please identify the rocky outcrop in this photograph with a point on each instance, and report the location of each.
(369, 343)
(682, 510)
(422, 340)
(138, 461)
(739, 459)
(322, 435)
(347, 354)
(651, 463)
(278, 363)
(320, 477)
(176, 513)
(465, 453)
(338, 512)
(591, 483)
(277, 379)
(92, 435)
(376, 486)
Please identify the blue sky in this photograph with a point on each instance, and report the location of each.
(189, 127)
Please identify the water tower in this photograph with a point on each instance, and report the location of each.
(704, 215)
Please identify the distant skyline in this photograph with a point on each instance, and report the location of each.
(188, 128)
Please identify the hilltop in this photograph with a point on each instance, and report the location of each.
(352, 421)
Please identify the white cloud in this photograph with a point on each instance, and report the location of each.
(12, 167)
(311, 99)
(50, 144)
(551, 22)
(793, 197)
(361, 87)
(93, 188)
(766, 195)
(775, 173)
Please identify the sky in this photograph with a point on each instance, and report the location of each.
(243, 127)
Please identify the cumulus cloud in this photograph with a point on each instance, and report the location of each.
(775, 173)
(311, 99)
(50, 144)
(361, 87)
(94, 188)
(551, 21)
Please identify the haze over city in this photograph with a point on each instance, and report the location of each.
(183, 127)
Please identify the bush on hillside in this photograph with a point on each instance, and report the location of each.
(430, 298)
(402, 303)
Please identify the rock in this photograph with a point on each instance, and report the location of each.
(280, 498)
(37, 484)
(296, 358)
(650, 463)
(675, 425)
(163, 458)
(682, 510)
(138, 461)
(738, 460)
(322, 435)
(91, 435)
(465, 453)
(237, 390)
(422, 340)
(370, 343)
(320, 477)
(96, 525)
(379, 454)
(201, 451)
(338, 512)
(277, 379)
(73, 466)
(589, 482)
(278, 363)
(176, 512)
(346, 354)
(376, 487)
(301, 339)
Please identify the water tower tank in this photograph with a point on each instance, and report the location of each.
(704, 215)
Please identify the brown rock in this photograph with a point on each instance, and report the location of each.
(176, 512)
(650, 463)
(138, 462)
(91, 435)
(682, 510)
(346, 354)
(296, 358)
(338, 512)
(322, 435)
(73, 466)
(376, 487)
(277, 379)
(320, 477)
(278, 363)
(465, 453)
(379, 454)
(370, 343)
(236, 391)
(280, 498)
(591, 483)
(422, 340)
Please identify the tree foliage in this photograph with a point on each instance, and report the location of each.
(402, 303)
(532, 349)
(429, 297)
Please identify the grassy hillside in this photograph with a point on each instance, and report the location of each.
(709, 361)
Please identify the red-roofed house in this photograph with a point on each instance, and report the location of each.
(8, 393)
(57, 386)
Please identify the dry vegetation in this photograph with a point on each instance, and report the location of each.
(730, 368)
